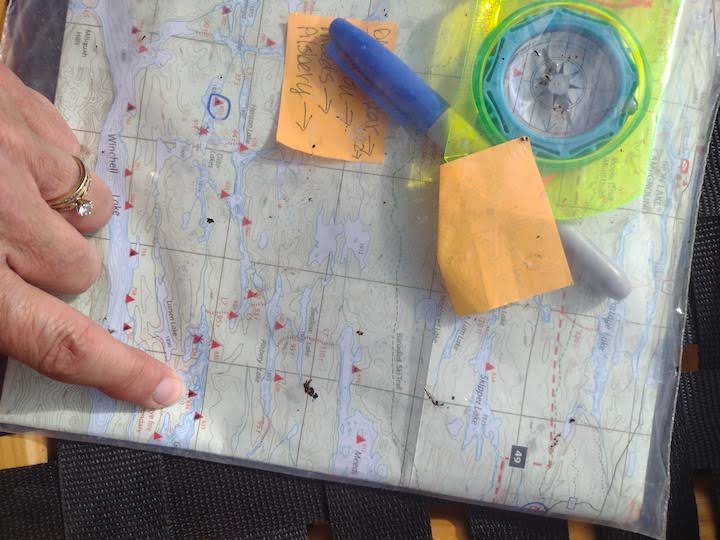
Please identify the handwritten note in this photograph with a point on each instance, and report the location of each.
(322, 111)
(497, 238)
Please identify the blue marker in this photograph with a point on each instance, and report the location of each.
(412, 103)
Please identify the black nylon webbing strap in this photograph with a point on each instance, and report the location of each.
(368, 514)
(710, 200)
(490, 524)
(30, 503)
(208, 500)
(111, 492)
(705, 282)
(116, 492)
(682, 512)
(706, 290)
(699, 403)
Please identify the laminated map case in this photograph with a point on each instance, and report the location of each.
(561, 406)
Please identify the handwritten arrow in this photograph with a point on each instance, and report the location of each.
(328, 102)
(306, 119)
(349, 114)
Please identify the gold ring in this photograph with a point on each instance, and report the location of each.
(76, 199)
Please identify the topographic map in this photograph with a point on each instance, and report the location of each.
(252, 269)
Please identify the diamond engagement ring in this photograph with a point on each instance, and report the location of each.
(76, 199)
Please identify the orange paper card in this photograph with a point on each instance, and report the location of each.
(322, 112)
(497, 241)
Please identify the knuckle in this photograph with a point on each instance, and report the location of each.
(64, 358)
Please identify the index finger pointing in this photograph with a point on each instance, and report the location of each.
(51, 337)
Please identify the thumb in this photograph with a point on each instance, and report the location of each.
(59, 342)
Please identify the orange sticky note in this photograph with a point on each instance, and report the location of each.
(498, 242)
(322, 112)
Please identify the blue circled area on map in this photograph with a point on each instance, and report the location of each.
(218, 106)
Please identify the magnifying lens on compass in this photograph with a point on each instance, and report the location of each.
(568, 75)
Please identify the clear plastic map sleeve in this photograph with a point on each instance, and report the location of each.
(299, 298)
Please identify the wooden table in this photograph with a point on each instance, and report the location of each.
(448, 522)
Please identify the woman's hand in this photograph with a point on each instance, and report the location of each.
(43, 251)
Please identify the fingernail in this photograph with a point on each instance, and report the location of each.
(169, 391)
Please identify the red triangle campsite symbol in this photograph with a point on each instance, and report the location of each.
(489, 366)
(157, 436)
(359, 439)
(128, 172)
(143, 49)
(196, 338)
(355, 369)
(135, 29)
(278, 378)
(130, 107)
(133, 253)
(198, 416)
(226, 10)
(126, 327)
(232, 315)
(129, 299)
(192, 394)
(128, 206)
(246, 222)
(252, 294)
(243, 147)
(269, 42)
(279, 325)
(218, 102)
(224, 194)
(215, 345)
